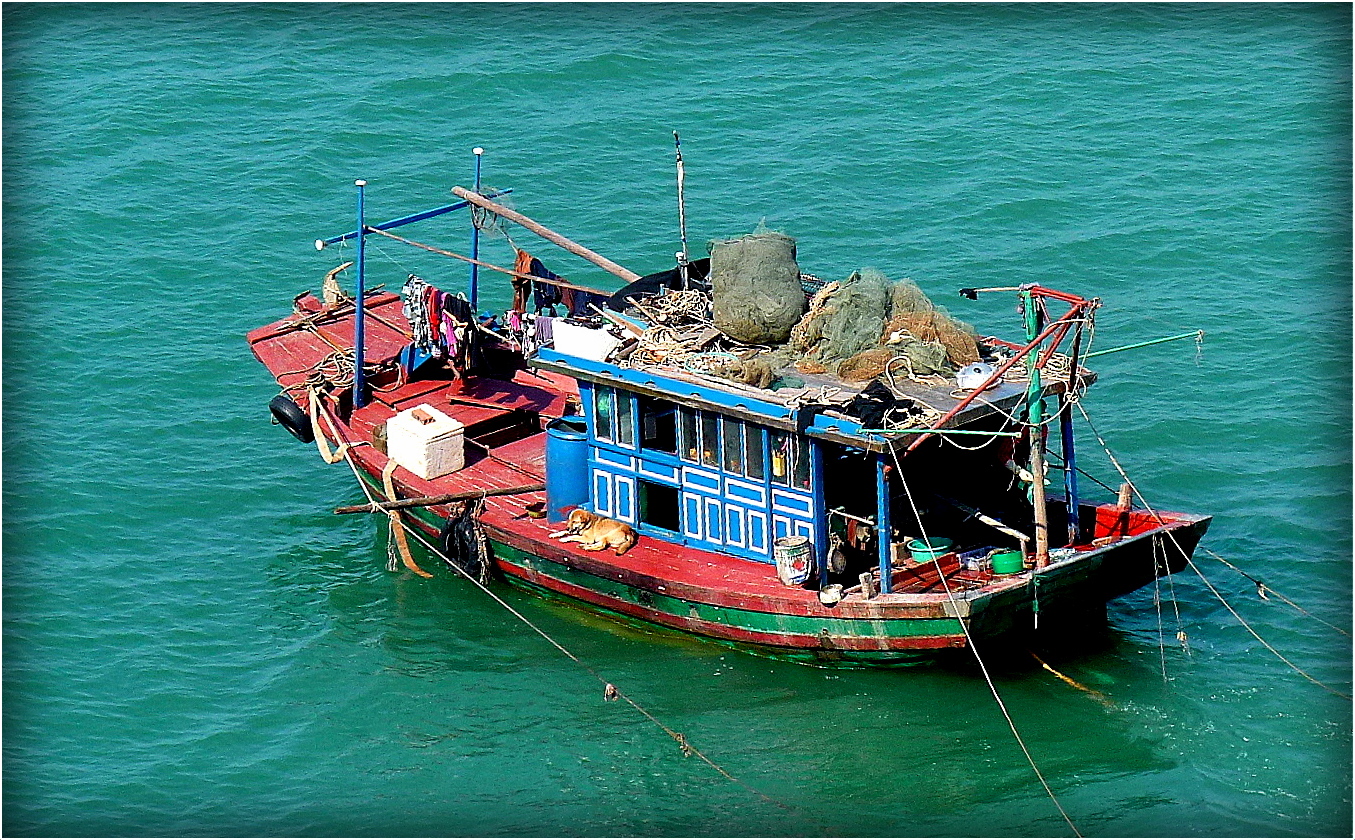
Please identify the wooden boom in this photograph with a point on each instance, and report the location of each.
(547, 234)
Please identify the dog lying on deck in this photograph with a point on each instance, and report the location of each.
(594, 533)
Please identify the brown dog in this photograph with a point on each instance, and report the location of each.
(594, 533)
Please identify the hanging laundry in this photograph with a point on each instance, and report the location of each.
(545, 330)
(415, 308)
(435, 321)
(544, 294)
(522, 286)
(584, 302)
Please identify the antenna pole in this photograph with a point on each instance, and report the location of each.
(683, 258)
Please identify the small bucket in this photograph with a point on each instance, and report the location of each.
(794, 559)
(830, 595)
(1008, 562)
(926, 552)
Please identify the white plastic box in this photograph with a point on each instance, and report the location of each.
(426, 442)
(586, 343)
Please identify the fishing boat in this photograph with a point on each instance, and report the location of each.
(628, 451)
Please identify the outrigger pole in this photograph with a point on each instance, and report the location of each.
(320, 244)
(546, 234)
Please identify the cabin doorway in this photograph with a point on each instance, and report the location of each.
(850, 500)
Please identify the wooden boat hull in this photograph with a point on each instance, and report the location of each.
(687, 588)
(895, 629)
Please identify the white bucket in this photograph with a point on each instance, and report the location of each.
(794, 559)
(973, 375)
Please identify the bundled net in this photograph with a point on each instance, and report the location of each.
(913, 316)
(761, 331)
(856, 328)
(755, 287)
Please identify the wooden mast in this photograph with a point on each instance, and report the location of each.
(1034, 416)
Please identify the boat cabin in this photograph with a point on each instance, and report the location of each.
(691, 460)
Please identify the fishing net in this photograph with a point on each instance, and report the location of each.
(755, 287)
(487, 221)
(854, 318)
(913, 315)
(857, 327)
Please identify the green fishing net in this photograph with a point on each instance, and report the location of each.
(755, 287)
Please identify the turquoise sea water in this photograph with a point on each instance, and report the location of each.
(194, 645)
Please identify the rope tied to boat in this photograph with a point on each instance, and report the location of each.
(397, 544)
(610, 691)
(969, 639)
(322, 442)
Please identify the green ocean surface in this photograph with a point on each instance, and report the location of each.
(194, 645)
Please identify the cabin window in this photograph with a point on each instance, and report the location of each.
(625, 419)
(613, 416)
(659, 506)
(710, 439)
(658, 425)
(602, 412)
(687, 432)
(790, 461)
(733, 448)
(753, 452)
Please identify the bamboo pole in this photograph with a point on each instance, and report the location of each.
(547, 234)
(442, 499)
(491, 266)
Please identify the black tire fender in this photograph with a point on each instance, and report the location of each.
(289, 415)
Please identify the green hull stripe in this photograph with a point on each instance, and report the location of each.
(728, 616)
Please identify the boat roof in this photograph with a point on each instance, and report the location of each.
(814, 409)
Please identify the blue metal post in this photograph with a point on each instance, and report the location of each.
(820, 511)
(475, 243)
(359, 379)
(884, 532)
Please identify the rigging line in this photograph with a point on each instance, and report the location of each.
(1162, 522)
(564, 284)
(1263, 588)
(687, 748)
(403, 268)
(1157, 603)
(682, 742)
(1176, 605)
(964, 626)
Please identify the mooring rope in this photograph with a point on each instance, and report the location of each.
(1262, 588)
(1095, 695)
(983, 668)
(1162, 522)
(610, 691)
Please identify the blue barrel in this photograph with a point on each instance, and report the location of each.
(566, 466)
